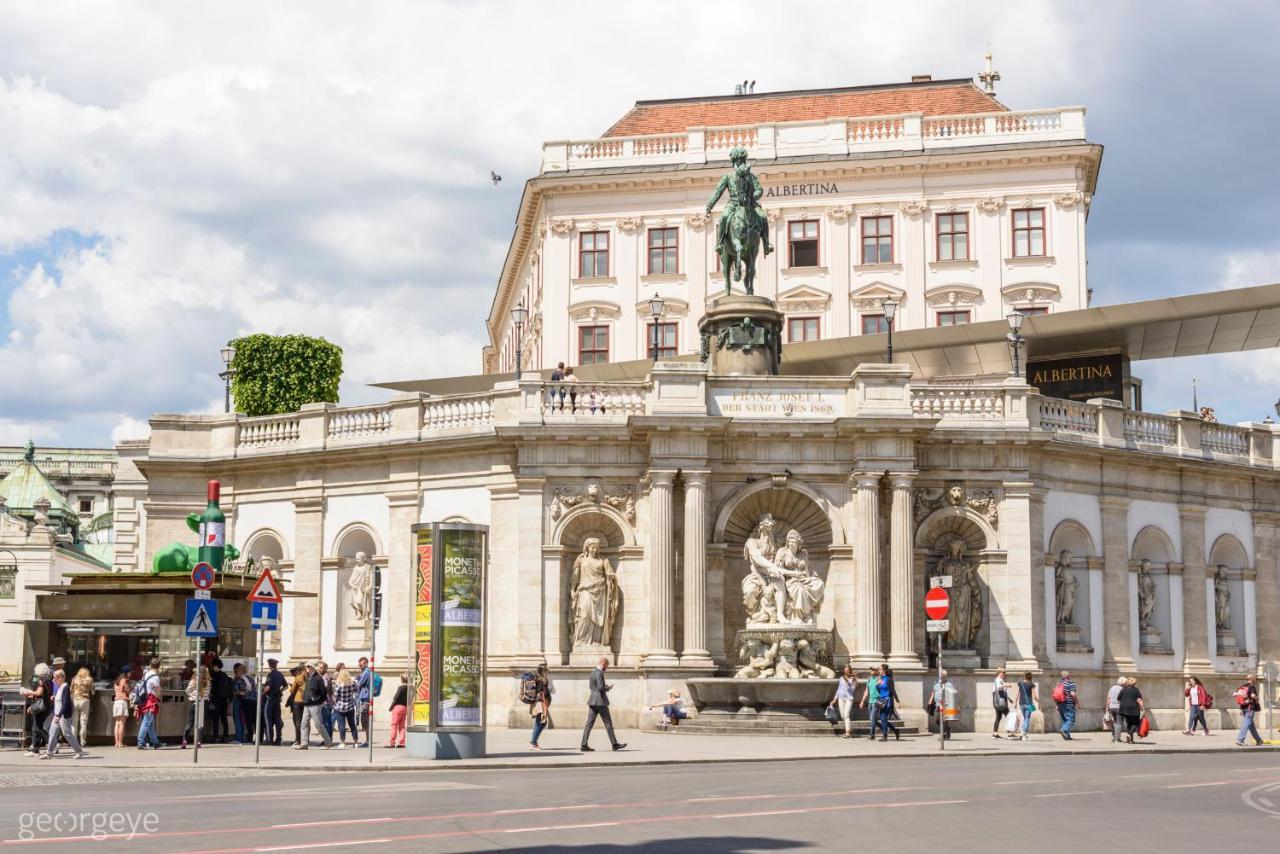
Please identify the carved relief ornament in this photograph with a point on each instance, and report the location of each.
(561, 226)
(990, 204)
(620, 498)
(984, 501)
(913, 208)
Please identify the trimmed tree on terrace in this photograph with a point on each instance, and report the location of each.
(275, 374)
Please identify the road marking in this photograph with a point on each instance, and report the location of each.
(1069, 794)
(327, 823)
(1139, 776)
(1202, 785)
(324, 845)
(547, 809)
(821, 794)
(1024, 782)
(561, 827)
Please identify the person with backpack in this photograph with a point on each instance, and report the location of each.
(145, 698)
(368, 686)
(399, 712)
(1064, 695)
(1199, 699)
(533, 693)
(1247, 699)
(1028, 702)
(314, 700)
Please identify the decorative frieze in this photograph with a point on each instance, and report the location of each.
(620, 498)
(983, 501)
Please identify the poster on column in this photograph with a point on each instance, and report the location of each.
(421, 673)
(461, 619)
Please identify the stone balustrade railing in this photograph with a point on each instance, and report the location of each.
(680, 389)
(839, 136)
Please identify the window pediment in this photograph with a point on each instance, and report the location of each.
(869, 297)
(1033, 292)
(594, 310)
(953, 295)
(670, 308)
(803, 298)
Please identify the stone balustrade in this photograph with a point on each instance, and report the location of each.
(685, 390)
(839, 136)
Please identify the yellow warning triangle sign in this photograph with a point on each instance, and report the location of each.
(265, 589)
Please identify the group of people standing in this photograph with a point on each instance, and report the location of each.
(879, 695)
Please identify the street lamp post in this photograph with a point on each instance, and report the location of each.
(889, 306)
(228, 354)
(1016, 341)
(655, 311)
(519, 315)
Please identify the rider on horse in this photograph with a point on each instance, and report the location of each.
(744, 192)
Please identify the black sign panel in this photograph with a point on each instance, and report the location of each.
(1079, 377)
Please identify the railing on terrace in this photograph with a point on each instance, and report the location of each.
(1225, 439)
(461, 412)
(838, 136)
(1068, 416)
(593, 399)
(271, 430)
(1148, 428)
(959, 403)
(359, 423)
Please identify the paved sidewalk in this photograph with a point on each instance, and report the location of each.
(510, 749)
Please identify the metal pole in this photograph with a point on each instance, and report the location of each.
(941, 701)
(890, 359)
(196, 716)
(226, 403)
(257, 716)
(655, 339)
(373, 673)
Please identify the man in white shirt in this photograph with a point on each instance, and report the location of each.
(63, 710)
(1113, 708)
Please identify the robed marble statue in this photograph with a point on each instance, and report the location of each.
(779, 587)
(1066, 588)
(743, 226)
(594, 587)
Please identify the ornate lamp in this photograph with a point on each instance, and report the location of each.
(228, 354)
(656, 304)
(1016, 341)
(519, 315)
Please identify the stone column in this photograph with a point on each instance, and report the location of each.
(306, 617)
(866, 602)
(1266, 585)
(397, 582)
(1195, 618)
(661, 573)
(695, 570)
(1118, 640)
(902, 597)
(1018, 596)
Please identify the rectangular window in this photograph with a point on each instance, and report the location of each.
(873, 324)
(802, 236)
(952, 318)
(593, 254)
(877, 240)
(953, 237)
(8, 581)
(663, 251)
(1028, 232)
(1032, 310)
(593, 344)
(86, 505)
(667, 340)
(803, 329)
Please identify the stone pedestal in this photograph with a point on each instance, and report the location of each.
(357, 634)
(960, 659)
(742, 336)
(790, 639)
(589, 655)
(1151, 642)
(1227, 644)
(1069, 639)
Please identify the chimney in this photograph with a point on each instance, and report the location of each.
(921, 78)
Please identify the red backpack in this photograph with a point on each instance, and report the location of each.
(1206, 699)
(1242, 695)
(1059, 693)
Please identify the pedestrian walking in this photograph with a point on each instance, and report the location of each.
(598, 702)
(871, 693)
(1198, 699)
(942, 701)
(1028, 702)
(540, 707)
(1064, 696)
(189, 732)
(846, 693)
(64, 710)
(147, 707)
(999, 700)
(297, 686)
(344, 706)
(886, 701)
(39, 707)
(120, 707)
(399, 712)
(1112, 715)
(82, 701)
(273, 685)
(1132, 708)
(313, 701)
(1247, 699)
(367, 685)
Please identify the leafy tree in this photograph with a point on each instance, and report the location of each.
(279, 373)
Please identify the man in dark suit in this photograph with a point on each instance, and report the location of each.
(598, 705)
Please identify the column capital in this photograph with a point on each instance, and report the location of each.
(866, 479)
(902, 479)
(403, 499)
(661, 477)
(1018, 488)
(695, 477)
(1113, 502)
(1191, 511)
(308, 504)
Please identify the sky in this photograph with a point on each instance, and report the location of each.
(174, 174)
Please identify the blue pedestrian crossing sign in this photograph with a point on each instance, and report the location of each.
(264, 615)
(202, 618)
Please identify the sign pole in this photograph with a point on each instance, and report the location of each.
(373, 675)
(257, 720)
(196, 717)
(941, 701)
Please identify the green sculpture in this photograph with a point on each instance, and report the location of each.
(179, 557)
(742, 226)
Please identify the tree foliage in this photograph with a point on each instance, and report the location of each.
(279, 373)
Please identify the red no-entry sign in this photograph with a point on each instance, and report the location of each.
(937, 604)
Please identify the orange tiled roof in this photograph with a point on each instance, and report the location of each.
(932, 98)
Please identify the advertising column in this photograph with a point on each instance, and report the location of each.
(448, 679)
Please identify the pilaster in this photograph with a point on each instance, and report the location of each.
(1267, 583)
(902, 597)
(695, 570)
(662, 651)
(1195, 618)
(1022, 590)
(309, 550)
(866, 605)
(397, 581)
(1118, 647)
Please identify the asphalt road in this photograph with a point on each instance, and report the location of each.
(1169, 803)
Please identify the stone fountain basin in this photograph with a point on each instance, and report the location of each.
(801, 698)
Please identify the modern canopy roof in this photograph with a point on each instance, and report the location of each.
(1228, 321)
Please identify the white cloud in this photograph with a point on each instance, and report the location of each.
(14, 432)
(130, 428)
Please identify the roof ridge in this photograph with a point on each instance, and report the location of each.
(792, 93)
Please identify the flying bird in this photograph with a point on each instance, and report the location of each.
(495, 177)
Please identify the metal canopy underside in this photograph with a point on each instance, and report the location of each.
(1230, 321)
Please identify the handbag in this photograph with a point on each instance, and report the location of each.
(832, 715)
(1000, 700)
(1144, 728)
(38, 707)
(932, 708)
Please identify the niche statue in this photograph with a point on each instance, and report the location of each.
(1066, 588)
(594, 588)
